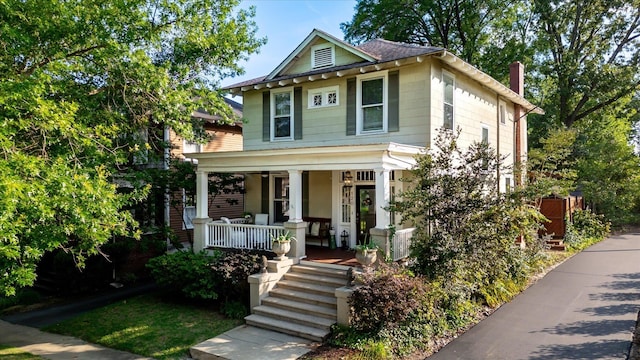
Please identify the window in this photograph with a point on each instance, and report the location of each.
(448, 90)
(372, 109)
(323, 97)
(503, 113)
(282, 115)
(485, 135)
(322, 56)
(281, 199)
(507, 184)
(190, 147)
(485, 140)
(189, 210)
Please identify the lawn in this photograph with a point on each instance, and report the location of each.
(149, 325)
(11, 353)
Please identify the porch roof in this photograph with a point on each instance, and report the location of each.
(389, 156)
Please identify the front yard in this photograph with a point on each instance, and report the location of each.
(151, 325)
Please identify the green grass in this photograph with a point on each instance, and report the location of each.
(11, 353)
(148, 325)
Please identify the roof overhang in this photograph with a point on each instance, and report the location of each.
(363, 68)
(388, 156)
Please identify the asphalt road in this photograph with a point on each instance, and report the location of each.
(586, 308)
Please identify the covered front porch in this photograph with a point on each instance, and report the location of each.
(349, 187)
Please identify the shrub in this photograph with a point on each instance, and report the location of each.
(586, 229)
(387, 299)
(232, 270)
(203, 276)
(187, 272)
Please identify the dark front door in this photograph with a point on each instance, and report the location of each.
(365, 210)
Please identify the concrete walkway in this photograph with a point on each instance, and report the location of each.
(248, 342)
(586, 308)
(56, 347)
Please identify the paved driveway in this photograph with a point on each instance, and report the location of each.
(586, 308)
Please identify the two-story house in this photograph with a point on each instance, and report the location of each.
(331, 131)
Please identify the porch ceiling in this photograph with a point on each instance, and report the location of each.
(390, 156)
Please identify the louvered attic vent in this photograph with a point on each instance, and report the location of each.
(322, 56)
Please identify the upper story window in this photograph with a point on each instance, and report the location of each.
(191, 147)
(322, 56)
(323, 97)
(485, 135)
(502, 109)
(282, 114)
(372, 104)
(448, 82)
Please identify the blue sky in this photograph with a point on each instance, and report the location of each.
(285, 23)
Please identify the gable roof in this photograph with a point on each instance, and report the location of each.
(377, 54)
(306, 43)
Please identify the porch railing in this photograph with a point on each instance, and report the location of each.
(241, 236)
(401, 242)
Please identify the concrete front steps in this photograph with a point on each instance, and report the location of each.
(303, 302)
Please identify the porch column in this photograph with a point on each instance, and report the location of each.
(202, 211)
(383, 216)
(295, 196)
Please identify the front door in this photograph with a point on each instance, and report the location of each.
(365, 211)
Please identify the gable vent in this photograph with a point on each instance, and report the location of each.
(322, 56)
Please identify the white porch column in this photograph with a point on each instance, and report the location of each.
(202, 211)
(383, 196)
(295, 196)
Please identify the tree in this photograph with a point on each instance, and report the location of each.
(78, 79)
(589, 55)
(181, 177)
(462, 222)
(489, 34)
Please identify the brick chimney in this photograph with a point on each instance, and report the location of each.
(516, 82)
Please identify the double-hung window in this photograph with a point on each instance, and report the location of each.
(448, 99)
(372, 104)
(282, 115)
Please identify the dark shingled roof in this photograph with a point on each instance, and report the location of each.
(386, 50)
(383, 50)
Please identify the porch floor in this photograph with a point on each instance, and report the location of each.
(328, 256)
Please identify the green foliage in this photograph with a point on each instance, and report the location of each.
(586, 229)
(84, 87)
(469, 28)
(24, 296)
(462, 223)
(187, 272)
(388, 298)
(234, 310)
(203, 276)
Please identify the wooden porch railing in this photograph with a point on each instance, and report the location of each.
(241, 236)
(401, 242)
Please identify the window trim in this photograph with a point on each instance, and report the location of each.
(384, 75)
(502, 112)
(324, 92)
(185, 143)
(321, 47)
(272, 116)
(447, 74)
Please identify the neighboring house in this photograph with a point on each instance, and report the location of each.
(331, 131)
(222, 137)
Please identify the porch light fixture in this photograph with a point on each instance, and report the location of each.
(347, 178)
(265, 174)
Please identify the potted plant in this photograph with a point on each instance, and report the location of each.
(367, 253)
(281, 245)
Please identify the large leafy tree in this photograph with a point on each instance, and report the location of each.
(77, 80)
(487, 34)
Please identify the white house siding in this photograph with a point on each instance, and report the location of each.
(327, 126)
(475, 107)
